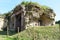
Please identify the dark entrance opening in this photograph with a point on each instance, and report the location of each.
(41, 22)
(18, 22)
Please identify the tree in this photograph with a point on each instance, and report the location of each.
(58, 22)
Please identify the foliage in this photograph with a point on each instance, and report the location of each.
(7, 15)
(1, 15)
(45, 7)
(27, 3)
(58, 22)
(24, 3)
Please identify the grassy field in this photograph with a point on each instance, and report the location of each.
(34, 33)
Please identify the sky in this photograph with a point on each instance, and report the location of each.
(8, 5)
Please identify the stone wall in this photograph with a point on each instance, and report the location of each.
(3, 23)
(32, 15)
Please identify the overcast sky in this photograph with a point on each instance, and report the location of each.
(8, 5)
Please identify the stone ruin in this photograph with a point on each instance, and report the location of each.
(3, 22)
(31, 15)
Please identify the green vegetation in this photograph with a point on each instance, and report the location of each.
(33, 33)
(58, 22)
(36, 33)
(27, 3)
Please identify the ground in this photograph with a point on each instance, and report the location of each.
(36, 33)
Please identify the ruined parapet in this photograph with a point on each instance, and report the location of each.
(31, 14)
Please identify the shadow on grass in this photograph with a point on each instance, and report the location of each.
(10, 33)
(3, 32)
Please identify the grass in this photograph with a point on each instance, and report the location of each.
(36, 33)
